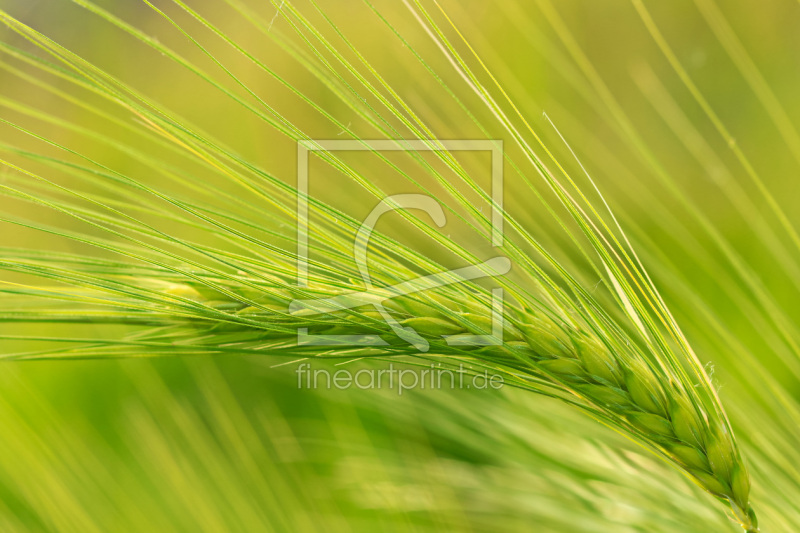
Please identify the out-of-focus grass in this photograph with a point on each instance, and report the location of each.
(203, 446)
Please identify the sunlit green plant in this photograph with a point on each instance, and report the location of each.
(172, 266)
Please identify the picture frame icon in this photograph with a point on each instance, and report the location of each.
(493, 267)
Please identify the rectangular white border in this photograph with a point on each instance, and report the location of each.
(495, 146)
